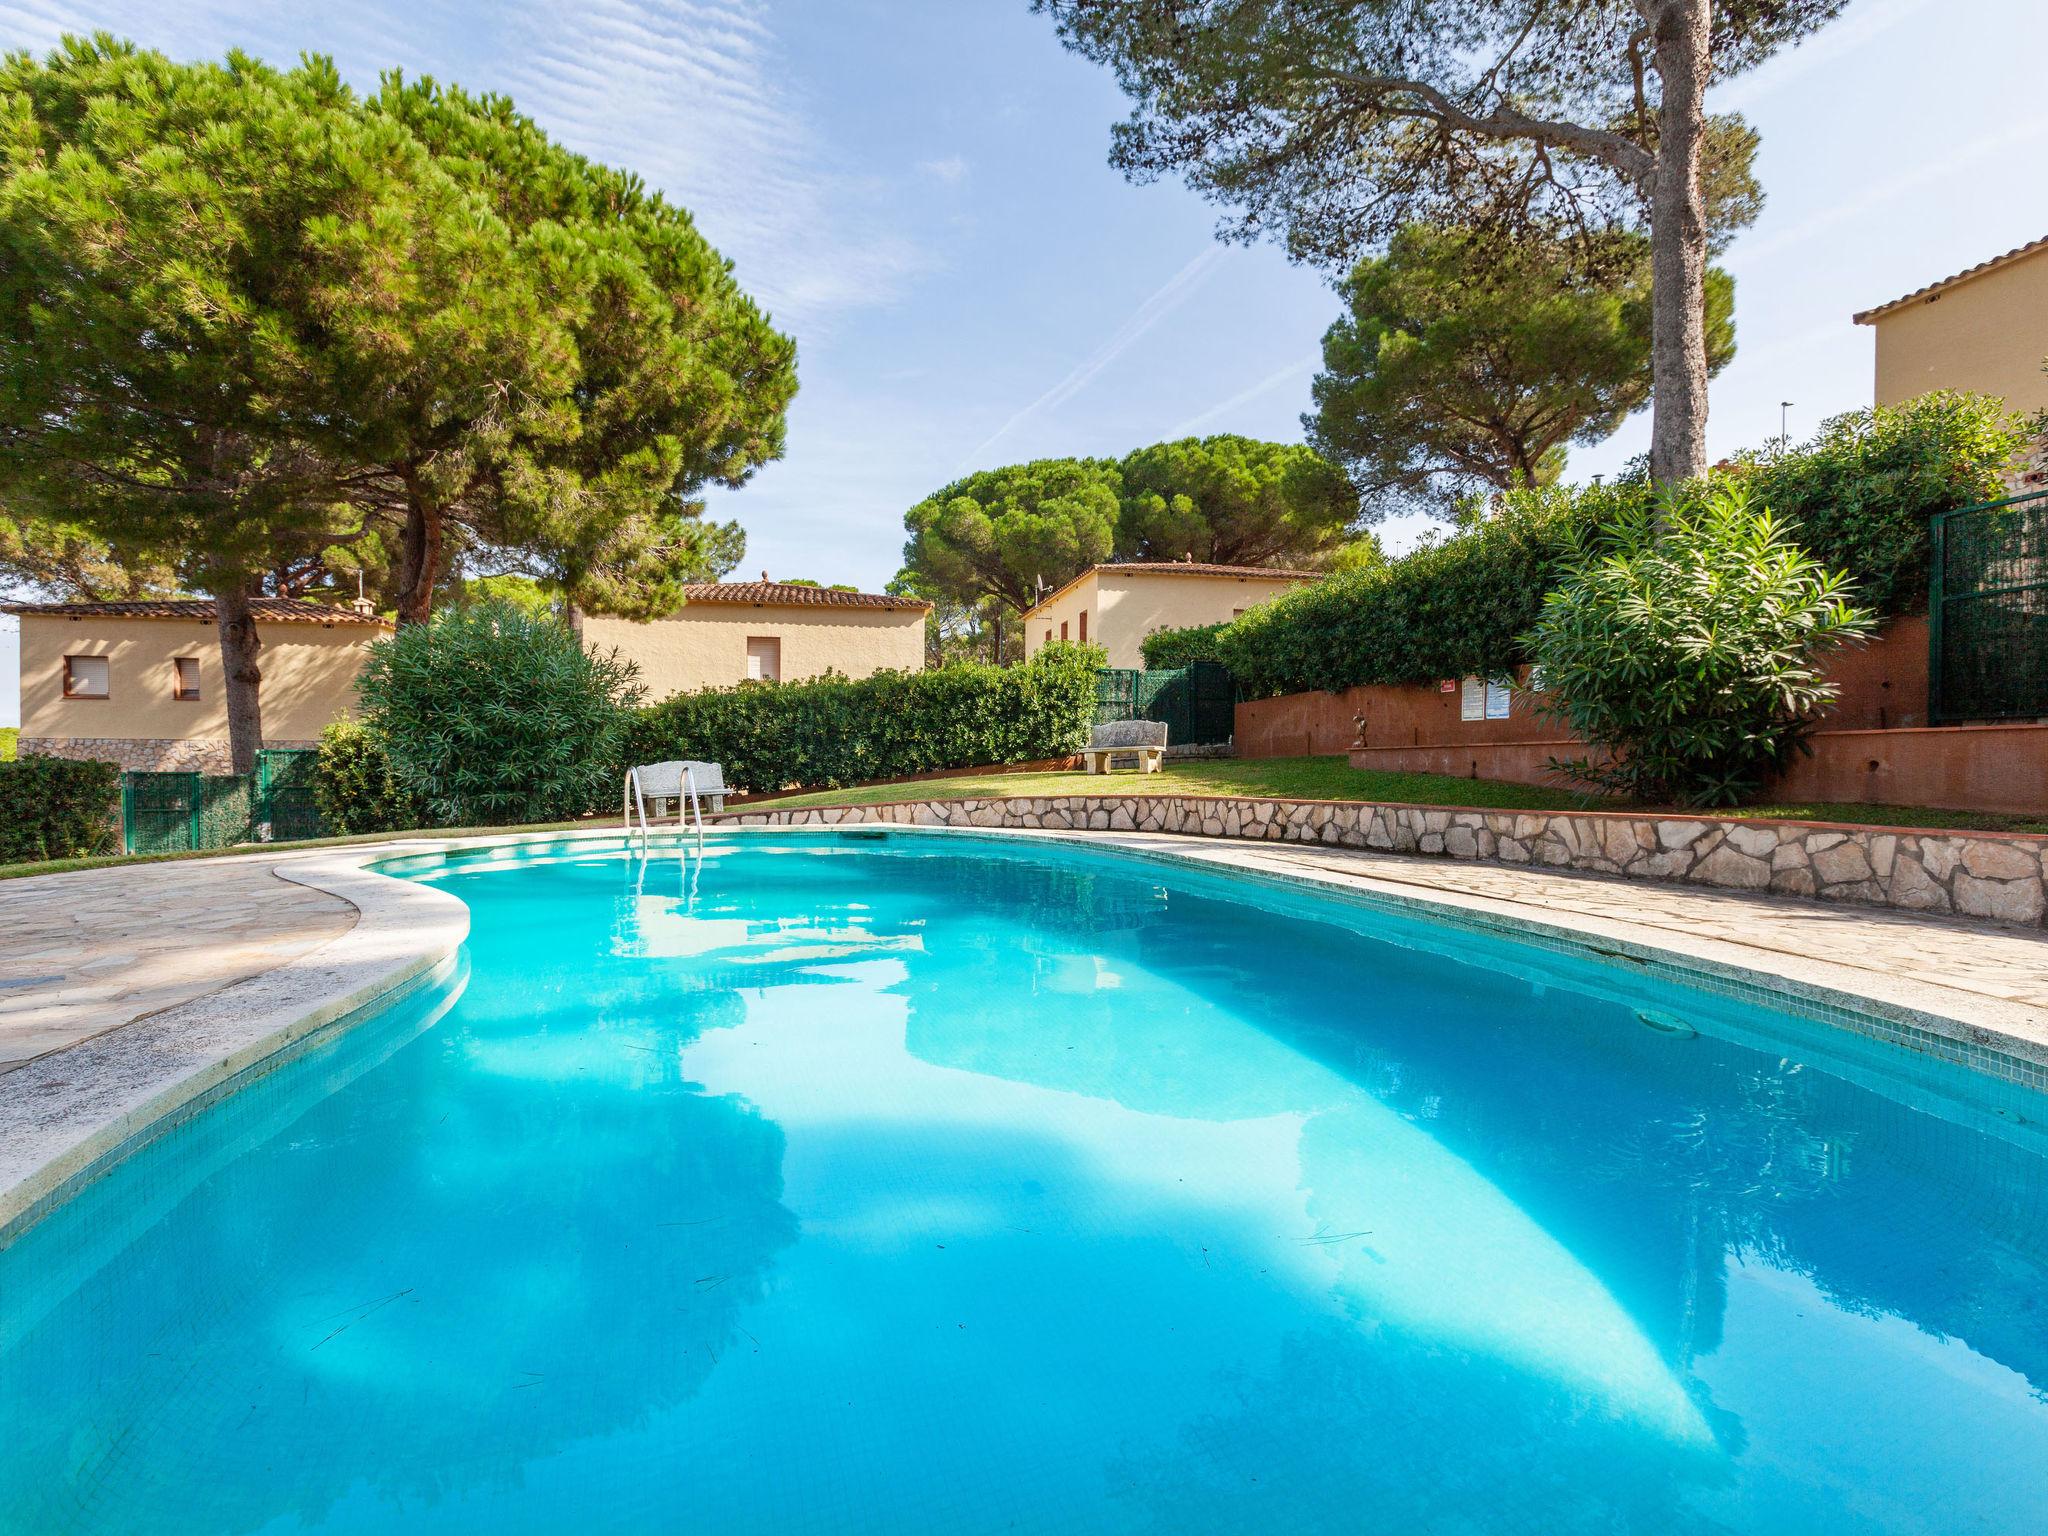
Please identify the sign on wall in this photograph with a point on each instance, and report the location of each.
(1472, 701)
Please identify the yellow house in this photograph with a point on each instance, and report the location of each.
(1984, 329)
(140, 683)
(729, 632)
(1117, 606)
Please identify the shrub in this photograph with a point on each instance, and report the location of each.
(1686, 649)
(836, 730)
(57, 808)
(354, 787)
(1165, 649)
(489, 715)
(1859, 496)
(1453, 607)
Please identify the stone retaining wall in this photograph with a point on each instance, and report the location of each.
(1976, 874)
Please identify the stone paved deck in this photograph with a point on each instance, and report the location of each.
(2004, 963)
(90, 951)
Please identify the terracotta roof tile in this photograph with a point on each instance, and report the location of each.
(787, 594)
(274, 610)
(1864, 317)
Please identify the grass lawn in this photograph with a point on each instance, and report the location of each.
(1333, 778)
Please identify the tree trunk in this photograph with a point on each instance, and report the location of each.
(419, 556)
(1678, 245)
(240, 647)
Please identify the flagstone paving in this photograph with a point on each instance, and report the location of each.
(90, 951)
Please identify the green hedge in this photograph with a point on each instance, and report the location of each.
(1860, 495)
(1858, 498)
(1166, 649)
(354, 786)
(836, 730)
(58, 808)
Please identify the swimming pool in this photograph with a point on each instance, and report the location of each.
(917, 1182)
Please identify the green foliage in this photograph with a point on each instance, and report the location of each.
(354, 787)
(489, 715)
(1002, 532)
(58, 808)
(1232, 500)
(1165, 649)
(1465, 366)
(835, 730)
(1857, 498)
(1454, 606)
(1860, 494)
(1686, 648)
(10, 741)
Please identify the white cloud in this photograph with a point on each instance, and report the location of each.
(951, 170)
(695, 97)
(1244, 397)
(1168, 297)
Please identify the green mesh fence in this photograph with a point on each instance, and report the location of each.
(181, 812)
(1198, 702)
(1988, 612)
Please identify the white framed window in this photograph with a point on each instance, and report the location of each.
(764, 659)
(185, 679)
(87, 677)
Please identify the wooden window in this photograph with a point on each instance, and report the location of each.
(86, 677)
(1048, 634)
(1063, 629)
(1084, 626)
(764, 658)
(185, 679)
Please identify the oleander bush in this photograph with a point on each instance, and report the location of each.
(836, 730)
(1686, 648)
(1166, 649)
(490, 715)
(354, 785)
(58, 808)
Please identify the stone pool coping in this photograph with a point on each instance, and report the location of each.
(66, 1116)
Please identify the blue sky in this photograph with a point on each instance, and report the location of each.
(918, 190)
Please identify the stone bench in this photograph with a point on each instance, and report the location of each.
(1143, 739)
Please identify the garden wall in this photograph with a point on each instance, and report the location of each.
(1883, 686)
(1875, 746)
(1978, 874)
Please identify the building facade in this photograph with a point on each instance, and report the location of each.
(1117, 606)
(1984, 329)
(731, 632)
(140, 683)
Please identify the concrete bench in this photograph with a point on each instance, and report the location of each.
(1143, 739)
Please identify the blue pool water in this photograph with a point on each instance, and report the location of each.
(843, 1184)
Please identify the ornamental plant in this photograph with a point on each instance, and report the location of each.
(489, 715)
(1684, 643)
